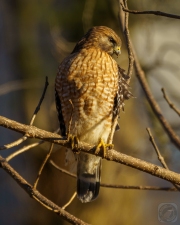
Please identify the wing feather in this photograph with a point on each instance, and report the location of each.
(123, 92)
(60, 115)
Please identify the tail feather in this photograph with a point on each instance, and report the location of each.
(88, 173)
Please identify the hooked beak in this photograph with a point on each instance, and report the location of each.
(117, 50)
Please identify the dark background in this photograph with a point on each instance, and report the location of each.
(34, 37)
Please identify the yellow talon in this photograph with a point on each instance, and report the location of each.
(103, 146)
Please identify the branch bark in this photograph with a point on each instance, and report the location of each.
(112, 155)
(33, 193)
(118, 186)
(157, 13)
(144, 84)
(154, 105)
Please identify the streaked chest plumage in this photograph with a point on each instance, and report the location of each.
(87, 83)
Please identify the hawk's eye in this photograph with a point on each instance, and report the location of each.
(112, 40)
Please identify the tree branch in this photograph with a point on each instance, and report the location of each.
(37, 196)
(161, 159)
(170, 103)
(157, 13)
(24, 138)
(154, 105)
(118, 186)
(112, 155)
(124, 24)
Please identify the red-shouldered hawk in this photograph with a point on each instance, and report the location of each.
(90, 90)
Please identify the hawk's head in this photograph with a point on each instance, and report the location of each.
(100, 37)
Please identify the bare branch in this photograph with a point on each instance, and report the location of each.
(155, 107)
(124, 22)
(40, 102)
(70, 201)
(14, 143)
(157, 13)
(62, 170)
(118, 186)
(112, 155)
(31, 131)
(42, 166)
(21, 150)
(161, 159)
(169, 102)
(37, 196)
(19, 141)
(134, 187)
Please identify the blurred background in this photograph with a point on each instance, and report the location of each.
(34, 38)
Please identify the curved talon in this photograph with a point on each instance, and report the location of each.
(103, 146)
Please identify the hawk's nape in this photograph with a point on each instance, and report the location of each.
(89, 93)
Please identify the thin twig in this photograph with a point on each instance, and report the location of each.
(169, 102)
(155, 107)
(38, 196)
(42, 166)
(124, 22)
(157, 13)
(118, 186)
(14, 143)
(34, 132)
(161, 159)
(70, 201)
(134, 187)
(25, 148)
(40, 102)
(62, 170)
(24, 138)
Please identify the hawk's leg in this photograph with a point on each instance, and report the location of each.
(103, 146)
(74, 141)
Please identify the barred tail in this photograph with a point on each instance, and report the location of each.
(88, 177)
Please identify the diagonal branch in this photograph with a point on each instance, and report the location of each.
(161, 159)
(154, 105)
(144, 84)
(38, 196)
(169, 102)
(24, 138)
(112, 155)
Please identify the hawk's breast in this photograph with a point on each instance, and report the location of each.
(87, 83)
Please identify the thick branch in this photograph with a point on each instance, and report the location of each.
(112, 155)
(36, 195)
